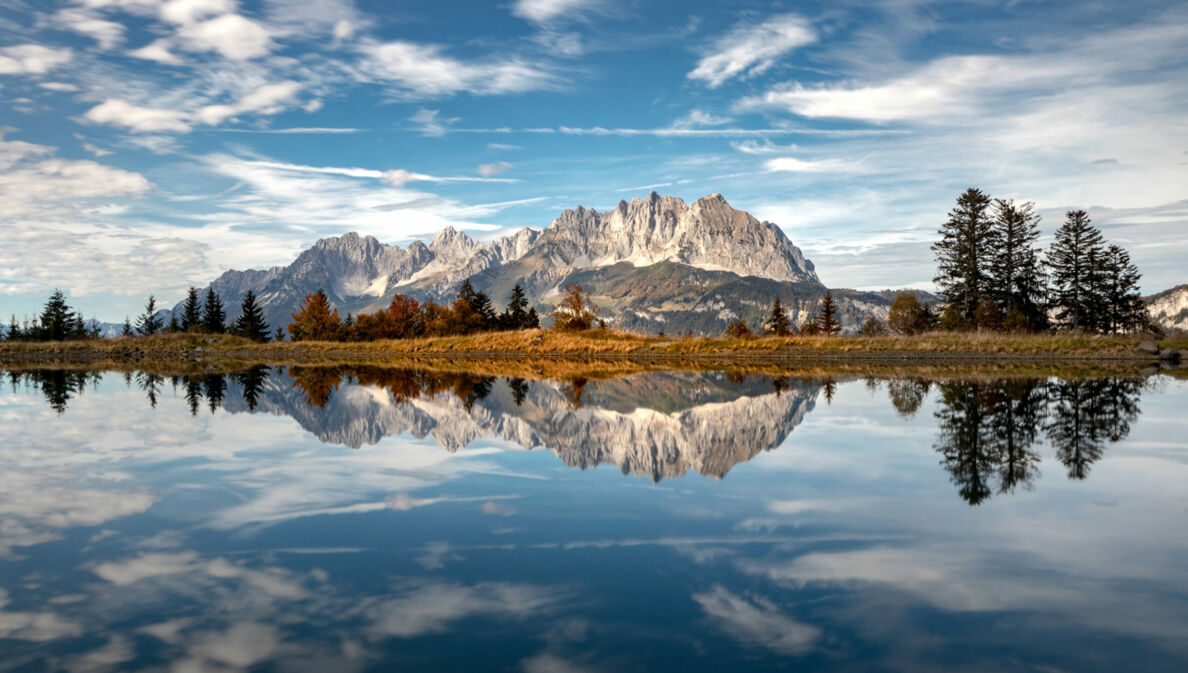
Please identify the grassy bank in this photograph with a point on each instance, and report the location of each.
(597, 344)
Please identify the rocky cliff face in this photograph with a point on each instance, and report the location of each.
(1169, 309)
(362, 274)
(658, 426)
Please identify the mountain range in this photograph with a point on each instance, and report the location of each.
(651, 264)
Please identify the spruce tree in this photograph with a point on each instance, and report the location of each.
(14, 330)
(515, 316)
(174, 326)
(1124, 308)
(1078, 244)
(127, 329)
(479, 302)
(532, 320)
(149, 323)
(191, 311)
(57, 320)
(250, 323)
(1016, 272)
(777, 323)
(827, 319)
(964, 253)
(214, 318)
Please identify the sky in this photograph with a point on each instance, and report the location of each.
(153, 144)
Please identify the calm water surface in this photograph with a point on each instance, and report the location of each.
(335, 520)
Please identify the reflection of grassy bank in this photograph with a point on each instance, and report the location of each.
(603, 345)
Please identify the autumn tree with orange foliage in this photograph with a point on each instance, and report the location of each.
(316, 320)
(575, 312)
(401, 320)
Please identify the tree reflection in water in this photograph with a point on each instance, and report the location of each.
(987, 435)
(987, 430)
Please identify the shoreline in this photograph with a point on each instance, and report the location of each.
(616, 351)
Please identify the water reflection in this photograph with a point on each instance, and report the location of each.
(658, 425)
(141, 531)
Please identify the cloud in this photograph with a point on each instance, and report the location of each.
(267, 99)
(231, 35)
(751, 49)
(429, 607)
(86, 22)
(487, 170)
(548, 11)
(117, 112)
(794, 165)
(697, 118)
(414, 71)
(430, 124)
(158, 50)
(58, 86)
(190, 11)
(757, 622)
(32, 59)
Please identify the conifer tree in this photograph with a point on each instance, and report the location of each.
(250, 323)
(315, 320)
(1078, 243)
(964, 253)
(1124, 309)
(14, 330)
(279, 334)
(127, 329)
(777, 323)
(515, 316)
(532, 320)
(57, 320)
(1016, 272)
(191, 311)
(479, 302)
(575, 311)
(149, 323)
(214, 317)
(827, 319)
(174, 325)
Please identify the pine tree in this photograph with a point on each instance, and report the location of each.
(191, 311)
(827, 319)
(515, 316)
(1016, 272)
(1124, 309)
(1070, 259)
(14, 330)
(57, 320)
(174, 325)
(479, 302)
(777, 323)
(250, 323)
(279, 334)
(214, 318)
(149, 323)
(532, 320)
(127, 330)
(315, 320)
(964, 253)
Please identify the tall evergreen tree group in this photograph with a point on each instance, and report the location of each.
(992, 274)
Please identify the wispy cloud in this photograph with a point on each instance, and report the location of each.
(752, 48)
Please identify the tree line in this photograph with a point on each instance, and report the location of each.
(406, 318)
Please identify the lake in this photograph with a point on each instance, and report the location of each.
(354, 519)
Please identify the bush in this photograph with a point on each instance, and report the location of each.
(739, 330)
(873, 327)
(908, 315)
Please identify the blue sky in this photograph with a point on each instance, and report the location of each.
(151, 144)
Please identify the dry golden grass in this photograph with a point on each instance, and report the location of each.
(598, 344)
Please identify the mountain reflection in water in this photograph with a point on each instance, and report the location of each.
(661, 424)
